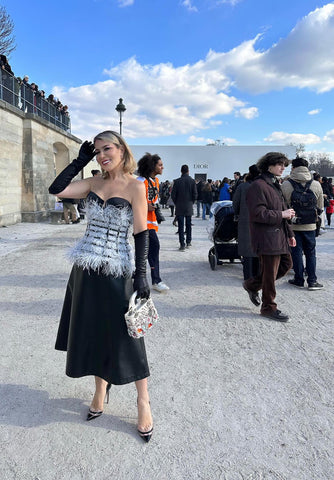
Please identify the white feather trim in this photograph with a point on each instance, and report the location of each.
(105, 245)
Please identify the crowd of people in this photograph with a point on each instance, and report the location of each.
(29, 98)
(277, 224)
(211, 191)
(208, 192)
(272, 237)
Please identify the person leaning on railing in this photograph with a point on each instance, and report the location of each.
(45, 106)
(59, 107)
(65, 118)
(29, 98)
(52, 108)
(17, 91)
(28, 95)
(6, 80)
(39, 95)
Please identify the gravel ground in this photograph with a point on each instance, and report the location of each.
(234, 395)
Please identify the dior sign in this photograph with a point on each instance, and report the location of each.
(201, 166)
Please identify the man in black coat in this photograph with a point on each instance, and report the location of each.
(199, 186)
(237, 181)
(184, 194)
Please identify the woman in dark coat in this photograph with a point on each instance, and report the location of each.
(271, 235)
(327, 191)
(207, 198)
(250, 261)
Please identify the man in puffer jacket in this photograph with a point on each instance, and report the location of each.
(304, 232)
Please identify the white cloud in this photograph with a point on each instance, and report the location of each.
(194, 139)
(192, 8)
(189, 6)
(329, 137)
(215, 123)
(296, 138)
(163, 100)
(181, 100)
(315, 111)
(229, 141)
(248, 113)
(300, 60)
(125, 3)
(223, 141)
(230, 2)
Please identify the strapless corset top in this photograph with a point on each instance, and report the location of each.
(105, 246)
(115, 201)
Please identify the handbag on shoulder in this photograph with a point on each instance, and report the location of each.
(141, 316)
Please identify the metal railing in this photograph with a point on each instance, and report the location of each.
(23, 97)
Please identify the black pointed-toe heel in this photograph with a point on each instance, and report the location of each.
(146, 436)
(92, 414)
(95, 414)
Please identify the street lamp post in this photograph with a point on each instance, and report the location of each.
(120, 109)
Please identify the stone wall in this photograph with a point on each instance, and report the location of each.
(32, 151)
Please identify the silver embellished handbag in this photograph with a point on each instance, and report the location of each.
(141, 316)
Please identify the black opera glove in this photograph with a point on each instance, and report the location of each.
(140, 283)
(86, 153)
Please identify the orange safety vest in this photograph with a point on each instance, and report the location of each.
(152, 223)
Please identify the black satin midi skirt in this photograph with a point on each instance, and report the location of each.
(93, 331)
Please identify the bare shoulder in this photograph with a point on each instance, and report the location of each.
(96, 181)
(136, 184)
(137, 189)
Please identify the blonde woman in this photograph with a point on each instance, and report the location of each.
(92, 328)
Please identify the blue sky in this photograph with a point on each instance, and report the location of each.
(244, 72)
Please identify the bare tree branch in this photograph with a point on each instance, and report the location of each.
(7, 39)
(321, 163)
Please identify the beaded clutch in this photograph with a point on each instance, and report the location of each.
(141, 316)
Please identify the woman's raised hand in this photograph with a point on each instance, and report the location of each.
(86, 152)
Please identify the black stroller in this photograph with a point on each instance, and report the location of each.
(224, 235)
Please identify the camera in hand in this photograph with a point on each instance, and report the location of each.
(158, 214)
(296, 220)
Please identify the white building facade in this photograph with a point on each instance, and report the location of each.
(211, 161)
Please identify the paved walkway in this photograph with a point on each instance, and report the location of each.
(234, 395)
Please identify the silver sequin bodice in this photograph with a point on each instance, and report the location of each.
(105, 246)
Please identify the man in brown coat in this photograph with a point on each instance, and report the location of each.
(271, 235)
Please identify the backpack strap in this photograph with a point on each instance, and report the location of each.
(296, 185)
(299, 186)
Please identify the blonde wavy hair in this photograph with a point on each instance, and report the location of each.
(129, 163)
